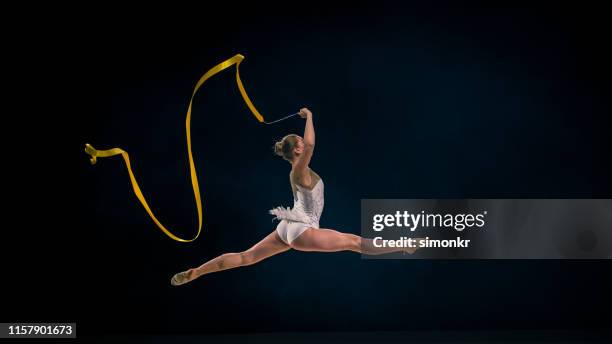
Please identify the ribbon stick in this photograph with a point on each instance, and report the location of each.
(94, 153)
(282, 119)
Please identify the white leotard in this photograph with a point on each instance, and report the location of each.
(306, 212)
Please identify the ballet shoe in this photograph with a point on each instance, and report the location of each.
(411, 250)
(180, 278)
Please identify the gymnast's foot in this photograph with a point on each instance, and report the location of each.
(182, 277)
(411, 250)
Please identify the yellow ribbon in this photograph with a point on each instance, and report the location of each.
(236, 60)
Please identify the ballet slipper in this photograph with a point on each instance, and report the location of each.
(411, 250)
(181, 278)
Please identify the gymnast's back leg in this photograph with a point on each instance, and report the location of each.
(267, 247)
(329, 240)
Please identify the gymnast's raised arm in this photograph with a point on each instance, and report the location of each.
(301, 166)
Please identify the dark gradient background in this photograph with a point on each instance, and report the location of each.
(409, 101)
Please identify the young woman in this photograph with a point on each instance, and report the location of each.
(299, 226)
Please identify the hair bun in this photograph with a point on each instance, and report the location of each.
(278, 148)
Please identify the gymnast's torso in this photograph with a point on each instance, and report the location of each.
(307, 208)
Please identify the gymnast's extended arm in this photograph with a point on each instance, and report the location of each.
(309, 141)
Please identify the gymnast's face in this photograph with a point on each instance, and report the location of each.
(299, 145)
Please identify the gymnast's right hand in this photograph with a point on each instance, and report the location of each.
(304, 113)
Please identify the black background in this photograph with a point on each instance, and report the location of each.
(409, 101)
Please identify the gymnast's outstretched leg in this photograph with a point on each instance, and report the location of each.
(329, 240)
(267, 247)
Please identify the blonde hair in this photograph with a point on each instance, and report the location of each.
(284, 147)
